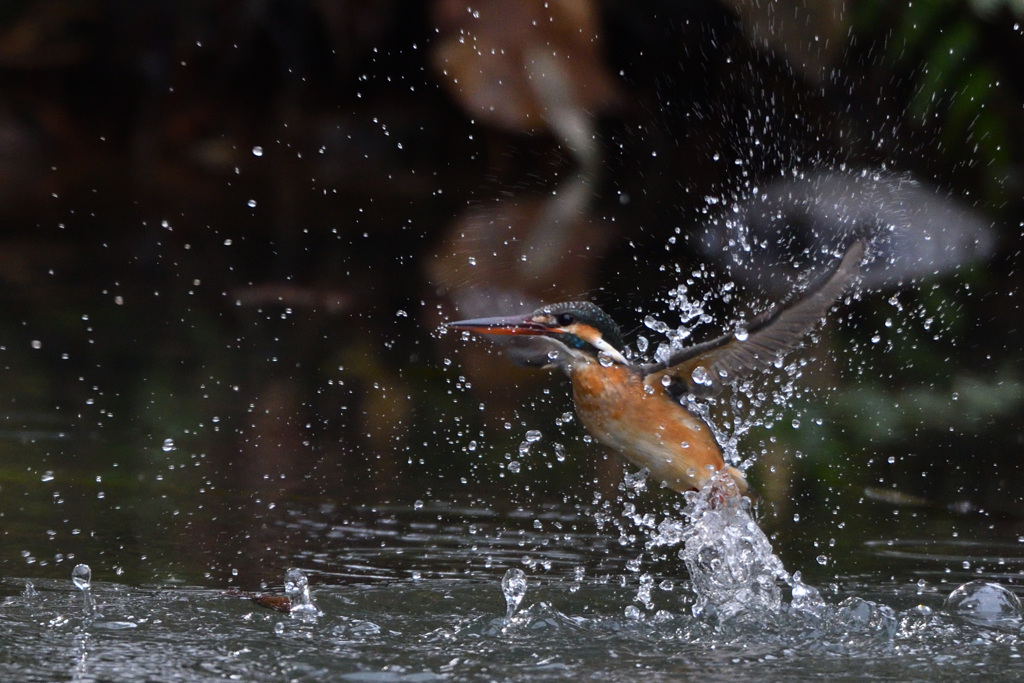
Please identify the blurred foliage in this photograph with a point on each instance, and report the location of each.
(960, 63)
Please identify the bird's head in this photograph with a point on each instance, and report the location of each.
(579, 329)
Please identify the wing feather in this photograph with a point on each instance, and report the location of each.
(708, 367)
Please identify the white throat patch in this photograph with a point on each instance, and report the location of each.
(609, 350)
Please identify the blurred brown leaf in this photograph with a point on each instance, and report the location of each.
(809, 34)
(494, 56)
(44, 36)
(278, 603)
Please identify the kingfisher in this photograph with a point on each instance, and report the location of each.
(642, 410)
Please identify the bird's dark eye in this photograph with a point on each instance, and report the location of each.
(565, 319)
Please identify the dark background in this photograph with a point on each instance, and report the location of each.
(229, 232)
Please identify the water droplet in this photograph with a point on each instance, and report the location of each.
(636, 481)
(513, 585)
(47, 476)
(81, 576)
(36, 344)
(168, 445)
(417, 505)
(257, 151)
(741, 335)
(700, 375)
(533, 436)
(514, 467)
(251, 203)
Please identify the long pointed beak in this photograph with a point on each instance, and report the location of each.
(514, 324)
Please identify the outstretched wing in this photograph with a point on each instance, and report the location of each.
(707, 367)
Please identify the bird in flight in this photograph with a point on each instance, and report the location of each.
(638, 409)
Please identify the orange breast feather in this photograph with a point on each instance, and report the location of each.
(650, 428)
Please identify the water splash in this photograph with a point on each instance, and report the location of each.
(986, 604)
(296, 587)
(81, 576)
(513, 585)
(734, 571)
(733, 568)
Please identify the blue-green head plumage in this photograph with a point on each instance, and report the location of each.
(570, 313)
